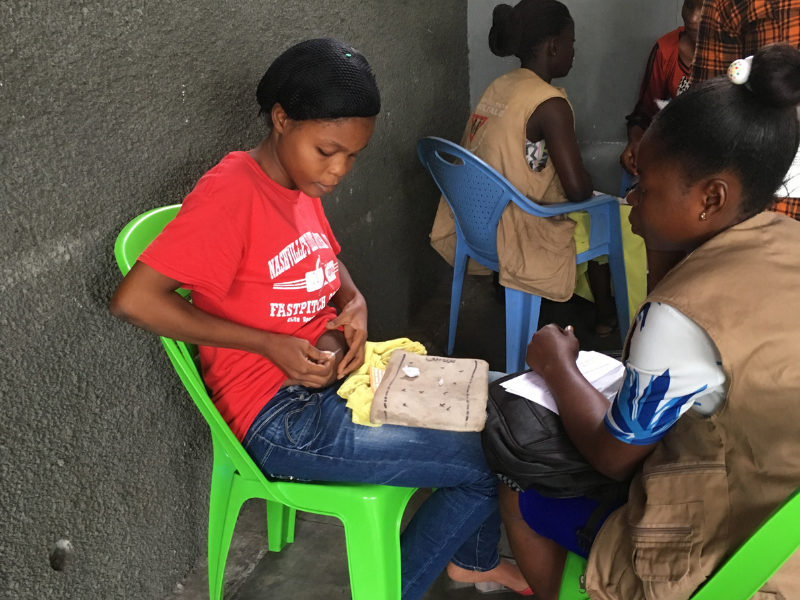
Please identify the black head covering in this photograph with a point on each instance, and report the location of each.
(320, 79)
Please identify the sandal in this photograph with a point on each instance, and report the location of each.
(605, 329)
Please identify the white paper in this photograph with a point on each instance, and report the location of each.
(603, 372)
(791, 189)
(411, 371)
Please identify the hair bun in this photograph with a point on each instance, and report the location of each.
(775, 75)
(502, 41)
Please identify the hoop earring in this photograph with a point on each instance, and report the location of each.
(702, 216)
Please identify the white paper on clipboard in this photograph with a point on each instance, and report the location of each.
(603, 372)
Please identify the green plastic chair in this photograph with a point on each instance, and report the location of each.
(741, 576)
(371, 513)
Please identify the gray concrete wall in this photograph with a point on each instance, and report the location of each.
(106, 110)
(613, 41)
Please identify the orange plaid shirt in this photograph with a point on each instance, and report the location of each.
(731, 29)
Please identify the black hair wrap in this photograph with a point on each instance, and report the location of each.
(320, 79)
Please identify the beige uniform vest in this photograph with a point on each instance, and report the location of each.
(711, 481)
(536, 255)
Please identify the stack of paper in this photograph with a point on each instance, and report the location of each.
(603, 372)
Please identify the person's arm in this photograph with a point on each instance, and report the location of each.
(353, 318)
(628, 157)
(552, 354)
(555, 119)
(672, 366)
(639, 120)
(147, 299)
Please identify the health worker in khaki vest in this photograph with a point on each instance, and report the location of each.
(707, 421)
(524, 127)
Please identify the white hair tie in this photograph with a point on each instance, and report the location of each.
(739, 71)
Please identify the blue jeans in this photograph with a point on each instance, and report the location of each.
(308, 434)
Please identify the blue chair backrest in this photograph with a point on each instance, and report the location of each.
(476, 192)
(627, 181)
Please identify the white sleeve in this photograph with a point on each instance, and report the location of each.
(672, 365)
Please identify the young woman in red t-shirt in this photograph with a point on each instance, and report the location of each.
(252, 243)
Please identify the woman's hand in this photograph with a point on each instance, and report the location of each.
(552, 354)
(147, 298)
(551, 346)
(353, 319)
(300, 361)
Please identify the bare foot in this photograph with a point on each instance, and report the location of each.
(505, 573)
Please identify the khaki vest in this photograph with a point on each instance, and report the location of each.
(536, 255)
(711, 481)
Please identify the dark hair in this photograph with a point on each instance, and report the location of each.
(751, 130)
(320, 79)
(520, 30)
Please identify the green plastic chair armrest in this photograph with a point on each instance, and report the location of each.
(759, 557)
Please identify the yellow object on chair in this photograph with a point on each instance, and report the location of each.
(356, 388)
(634, 254)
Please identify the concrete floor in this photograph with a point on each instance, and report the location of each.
(482, 328)
(319, 548)
(315, 565)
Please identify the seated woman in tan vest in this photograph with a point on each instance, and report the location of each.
(707, 422)
(524, 127)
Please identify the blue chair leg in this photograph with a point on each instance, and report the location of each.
(533, 325)
(616, 263)
(522, 321)
(459, 268)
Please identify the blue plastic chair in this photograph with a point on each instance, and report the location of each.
(478, 195)
(627, 180)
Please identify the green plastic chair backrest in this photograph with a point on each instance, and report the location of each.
(759, 557)
(742, 575)
(183, 358)
(131, 242)
(137, 235)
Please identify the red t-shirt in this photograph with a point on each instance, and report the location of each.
(665, 77)
(254, 253)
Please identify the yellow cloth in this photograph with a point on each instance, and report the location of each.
(356, 389)
(633, 252)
